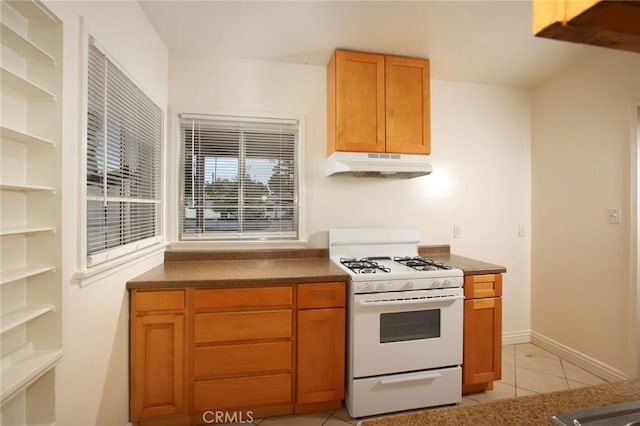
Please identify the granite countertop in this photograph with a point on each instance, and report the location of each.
(534, 410)
(268, 267)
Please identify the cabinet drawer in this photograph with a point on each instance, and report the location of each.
(242, 392)
(238, 326)
(247, 358)
(321, 295)
(222, 298)
(158, 300)
(480, 286)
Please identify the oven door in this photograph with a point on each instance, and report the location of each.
(406, 331)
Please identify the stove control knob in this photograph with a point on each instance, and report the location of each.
(446, 283)
(436, 284)
(408, 285)
(381, 287)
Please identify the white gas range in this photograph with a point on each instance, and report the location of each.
(405, 322)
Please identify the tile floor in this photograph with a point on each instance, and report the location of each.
(526, 370)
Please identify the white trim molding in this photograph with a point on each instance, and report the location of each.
(86, 277)
(635, 225)
(580, 359)
(516, 337)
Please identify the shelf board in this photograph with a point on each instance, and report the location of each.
(24, 137)
(24, 86)
(15, 274)
(23, 46)
(26, 369)
(25, 188)
(33, 11)
(21, 316)
(16, 230)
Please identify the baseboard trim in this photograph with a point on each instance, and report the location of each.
(515, 337)
(580, 359)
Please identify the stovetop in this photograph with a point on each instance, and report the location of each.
(386, 268)
(395, 264)
(386, 259)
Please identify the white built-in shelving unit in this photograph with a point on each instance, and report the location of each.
(30, 219)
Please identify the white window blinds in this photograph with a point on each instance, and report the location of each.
(124, 134)
(240, 178)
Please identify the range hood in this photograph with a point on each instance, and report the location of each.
(378, 164)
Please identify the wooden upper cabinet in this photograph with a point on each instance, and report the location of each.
(407, 105)
(357, 110)
(613, 24)
(377, 103)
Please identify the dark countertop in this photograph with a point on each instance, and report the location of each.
(470, 266)
(188, 273)
(532, 410)
(268, 267)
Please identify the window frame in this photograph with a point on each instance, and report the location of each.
(91, 264)
(177, 175)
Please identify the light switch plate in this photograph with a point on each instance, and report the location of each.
(615, 215)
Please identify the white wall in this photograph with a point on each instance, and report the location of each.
(583, 295)
(481, 157)
(92, 378)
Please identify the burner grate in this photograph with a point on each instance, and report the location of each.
(366, 265)
(420, 263)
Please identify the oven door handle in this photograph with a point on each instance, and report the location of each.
(393, 380)
(413, 301)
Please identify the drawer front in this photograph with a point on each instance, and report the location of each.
(242, 392)
(158, 300)
(247, 358)
(480, 286)
(224, 298)
(217, 327)
(406, 391)
(321, 295)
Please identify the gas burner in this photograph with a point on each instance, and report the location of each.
(366, 265)
(420, 263)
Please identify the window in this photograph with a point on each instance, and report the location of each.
(124, 134)
(240, 178)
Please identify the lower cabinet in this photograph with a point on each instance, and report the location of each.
(482, 357)
(321, 347)
(237, 352)
(157, 354)
(242, 351)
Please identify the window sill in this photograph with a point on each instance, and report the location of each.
(235, 245)
(87, 277)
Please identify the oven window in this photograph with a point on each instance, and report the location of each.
(413, 325)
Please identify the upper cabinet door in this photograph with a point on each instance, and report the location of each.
(407, 101)
(359, 101)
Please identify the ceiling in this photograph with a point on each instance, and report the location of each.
(473, 41)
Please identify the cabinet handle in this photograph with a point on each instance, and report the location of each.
(484, 303)
(409, 301)
(428, 376)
